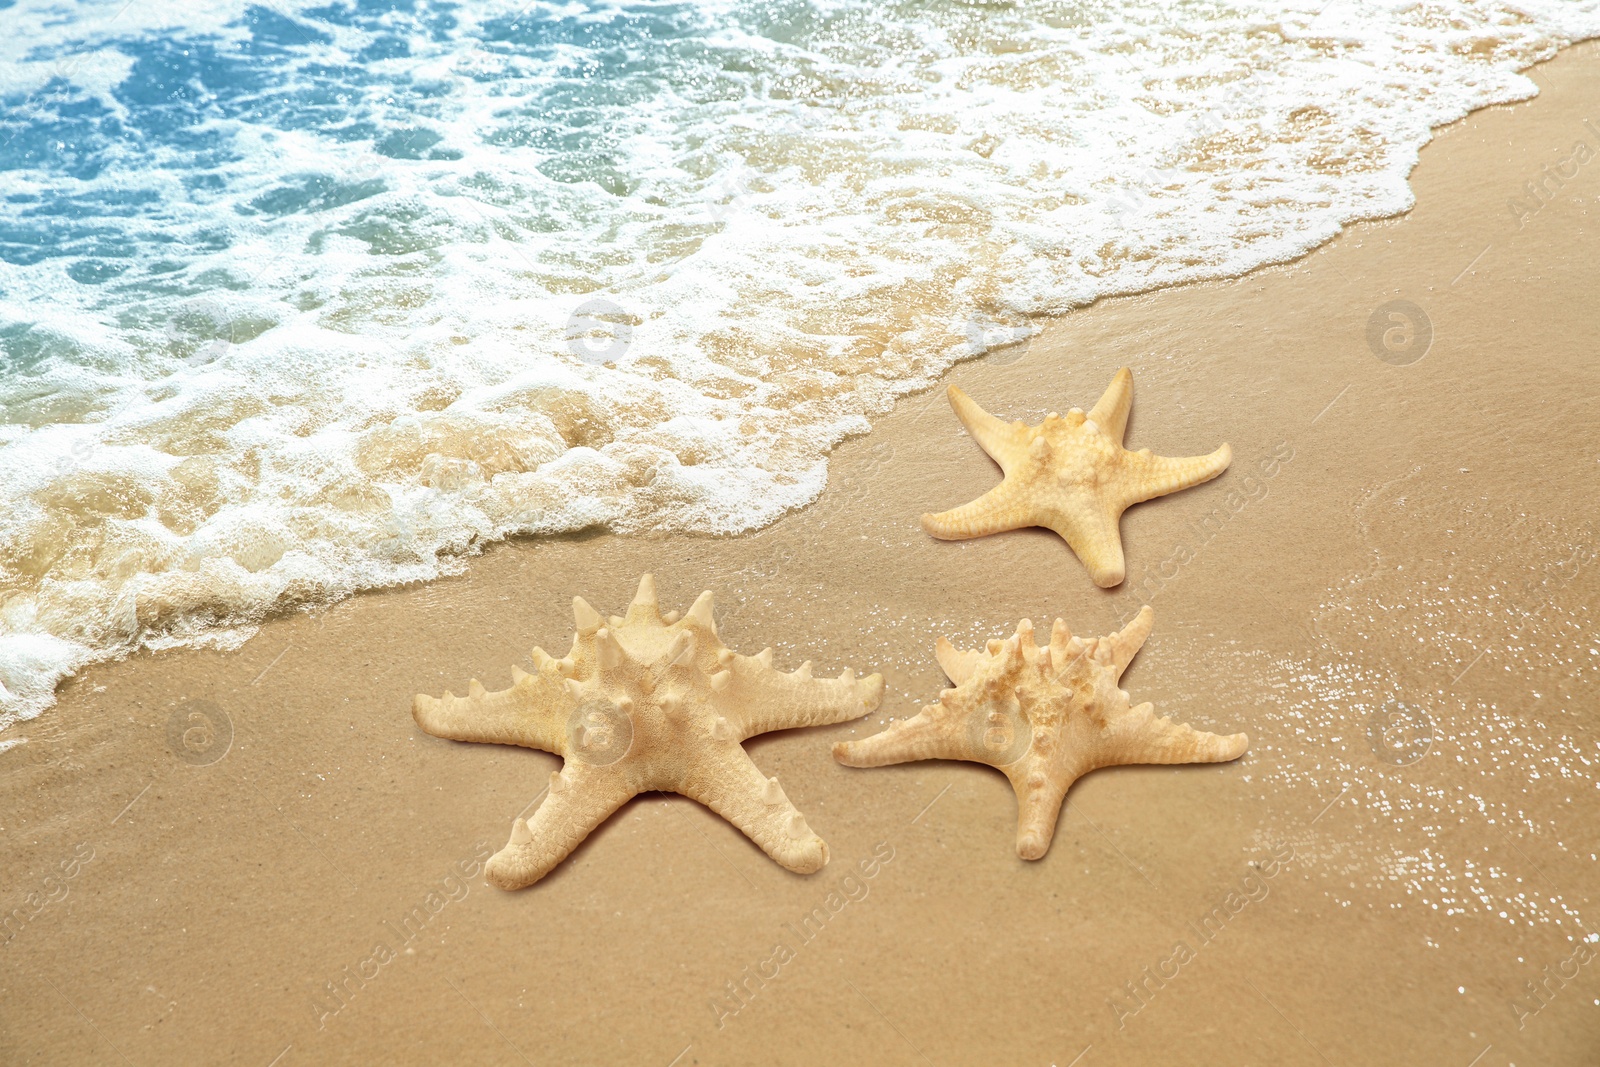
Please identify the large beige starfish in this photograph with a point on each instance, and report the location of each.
(1045, 717)
(649, 702)
(1070, 474)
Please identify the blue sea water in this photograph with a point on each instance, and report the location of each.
(303, 298)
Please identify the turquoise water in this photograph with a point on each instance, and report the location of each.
(303, 300)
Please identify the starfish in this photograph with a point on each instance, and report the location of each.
(1045, 717)
(1071, 475)
(642, 703)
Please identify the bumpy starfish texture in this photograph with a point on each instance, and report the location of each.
(642, 703)
(1045, 717)
(1071, 475)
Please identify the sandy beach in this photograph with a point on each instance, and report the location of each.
(257, 857)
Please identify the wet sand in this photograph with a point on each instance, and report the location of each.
(1390, 590)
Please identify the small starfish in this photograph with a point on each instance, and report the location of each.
(1071, 475)
(1044, 717)
(649, 703)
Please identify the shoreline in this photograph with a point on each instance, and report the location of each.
(1414, 548)
(187, 600)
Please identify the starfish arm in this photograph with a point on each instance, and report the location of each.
(1039, 798)
(957, 665)
(532, 713)
(1092, 532)
(581, 797)
(1125, 643)
(1005, 507)
(1140, 737)
(646, 606)
(724, 780)
(1150, 476)
(755, 699)
(926, 735)
(1004, 441)
(1110, 413)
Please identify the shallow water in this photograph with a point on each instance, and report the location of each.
(299, 301)
(1428, 733)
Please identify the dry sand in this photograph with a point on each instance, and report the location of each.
(1424, 548)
